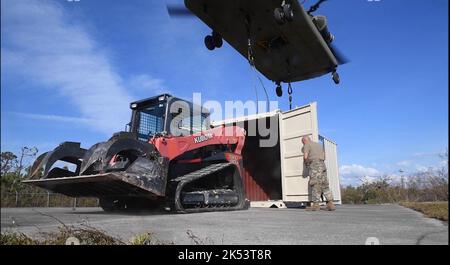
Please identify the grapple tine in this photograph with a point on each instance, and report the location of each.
(68, 151)
(92, 156)
(97, 158)
(37, 166)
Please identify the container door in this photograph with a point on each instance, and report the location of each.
(332, 168)
(295, 124)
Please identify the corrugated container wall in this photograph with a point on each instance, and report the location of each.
(295, 124)
(331, 163)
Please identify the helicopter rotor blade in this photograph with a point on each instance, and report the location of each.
(340, 57)
(178, 11)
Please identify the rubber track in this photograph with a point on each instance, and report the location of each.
(185, 179)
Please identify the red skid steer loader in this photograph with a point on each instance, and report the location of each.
(168, 157)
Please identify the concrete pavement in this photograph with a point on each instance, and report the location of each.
(349, 224)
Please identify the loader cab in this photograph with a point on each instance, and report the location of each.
(165, 114)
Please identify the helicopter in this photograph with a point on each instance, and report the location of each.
(279, 38)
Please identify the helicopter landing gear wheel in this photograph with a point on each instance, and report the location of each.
(279, 90)
(283, 14)
(213, 41)
(209, 42)
(288, 13)
(279, 16)
(217, 40)
(336, 78)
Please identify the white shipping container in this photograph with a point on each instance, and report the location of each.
(331, 163)
(282, 179)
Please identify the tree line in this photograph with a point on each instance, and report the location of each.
(430, 185)
(422, 186)
(14, 169)
(14, 193)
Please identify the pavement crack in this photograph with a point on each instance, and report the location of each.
(422, 237)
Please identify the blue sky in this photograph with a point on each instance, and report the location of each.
(70, 68)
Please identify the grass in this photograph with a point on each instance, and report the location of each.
(16, 239)
(438, 210)
(85, 235)
(147, 239)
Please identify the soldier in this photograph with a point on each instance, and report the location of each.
(313, 157)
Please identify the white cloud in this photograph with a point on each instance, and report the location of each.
(54, 118)
(43, 46)
(355, 174)
(368, 179)
(396, 178)
(147, 84)
(443, 163)
(355, 170)
(420, 162)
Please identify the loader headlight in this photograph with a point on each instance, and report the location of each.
(134, 105)
(161, 98)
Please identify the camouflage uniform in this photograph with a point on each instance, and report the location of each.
(318, 181)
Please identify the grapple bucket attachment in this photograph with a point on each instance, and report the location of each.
(122, 166)
(46, 164)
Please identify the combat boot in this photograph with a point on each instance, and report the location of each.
(330, 206)
(314, 207)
